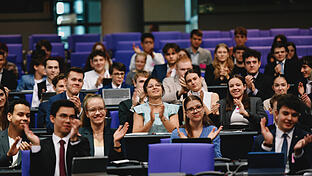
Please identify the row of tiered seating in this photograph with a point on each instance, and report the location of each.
(120, 44)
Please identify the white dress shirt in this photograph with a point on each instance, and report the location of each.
(90, 79)
(150, 62)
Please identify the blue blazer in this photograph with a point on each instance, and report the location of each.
(61, 96)
(160, 71)
(27, 82)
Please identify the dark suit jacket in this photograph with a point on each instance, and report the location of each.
(4, 148)
(9, 79)
(125, 115)
(108, 142)
(264, 85)
(61, 96)
(42, 113)
(256, 112)
(42, 87)
(291, 70)
(43, 162)
(301, 163)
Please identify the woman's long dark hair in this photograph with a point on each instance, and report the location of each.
(229, 98)
(4, 123)
(206, 120)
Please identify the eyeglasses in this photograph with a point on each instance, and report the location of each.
(193, 109)
(94, 110)
(119, 74)
(151, 86)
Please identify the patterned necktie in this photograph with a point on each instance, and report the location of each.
(285, 147)
(62, 159)
(282, 67)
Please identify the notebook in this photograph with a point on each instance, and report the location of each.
(115, 96)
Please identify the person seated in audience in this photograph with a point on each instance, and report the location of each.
(155, 116)
(153, 58)
(239, 66)
(183, 52)
(59, 86)
(199, 56)
(257, 83)
(280, 86)
(240, 38)
(282, 65)
(193, 82)
(140, 61)
(170, 51)
(53, 155)
(12, 67)
(7, 78)
(306, 79)
(36, 72)
(221, 68)
(3, 108)
(103, 140)
(52, 66)
(13, 139)
(126, 107)
(117, 71)
(98, 46)
(74, 82)
(175, 87)
(197, 124)
(237, 110)
(46, 46)
(277, 39)
(286, 137)
(292, 51)
(93, 79)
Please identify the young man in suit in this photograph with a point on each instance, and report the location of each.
(163, 71)
(198, 55)
(117, 71)
(138, 97)
(12, 137)
(257, 83)
(52, 68)
(282, 65)
(74, 81)
(285, 136)
(7, 78)
(53, 155)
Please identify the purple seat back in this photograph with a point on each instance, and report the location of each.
(33, 39)
(183, 43)
(127, 45)
(78, 59)
(164, 158)
(25, 162)
(259, 41)
(253, 33)
(124, 56)
(126, 36)
(168, 35)
(212, 43)
(86, 46)
(304, 50)
(270, 118)
(211, 34)
(300, 40)
(165, 140)
(13, 38)
(285, 31)
(73, 39)
(197, 158)
(115, 119)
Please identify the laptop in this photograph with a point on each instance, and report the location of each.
(266, 163)
(89, 164)
(192, 140)
(115, 96)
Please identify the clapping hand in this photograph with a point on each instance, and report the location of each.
(306, 99)
(74, 132)
(13, 149)
(213, 134)
(241, 107)
(267, 135)
(300, 88)
(121, 132)
(31, 136)
(302, 143)
(215, 109)
(181, 134)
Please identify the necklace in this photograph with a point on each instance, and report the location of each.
(155, 104)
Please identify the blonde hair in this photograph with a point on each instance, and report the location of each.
(84, 119)
(216, 64)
